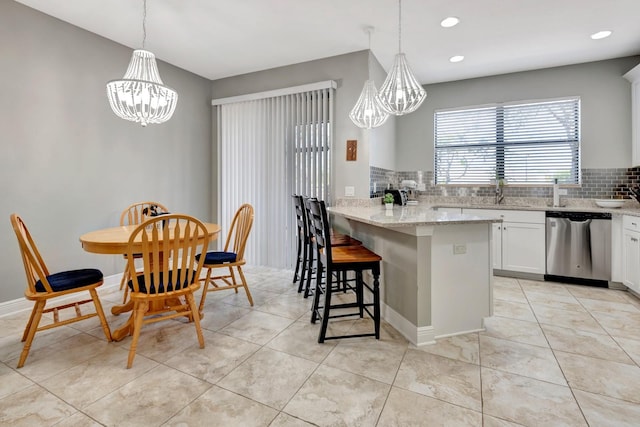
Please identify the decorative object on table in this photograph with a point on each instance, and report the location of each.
(173, 259)
(135, 214)
(141, 96)
(388, 200)
(609, 203)
(369, 111)
(401, 93)
(42, 287)
(230, 258)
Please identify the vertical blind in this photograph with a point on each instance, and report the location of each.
(523, 143)
(268, 150)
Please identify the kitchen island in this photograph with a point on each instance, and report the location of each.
(436, 267)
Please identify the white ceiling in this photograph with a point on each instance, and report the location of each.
(221, 38)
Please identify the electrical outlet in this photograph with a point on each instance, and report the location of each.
(562, 191)
(459, 249)
(349, 191)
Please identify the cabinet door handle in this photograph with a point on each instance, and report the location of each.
(633, 239)
(634, 224)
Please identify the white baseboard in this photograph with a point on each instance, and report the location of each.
(416, 335)
(23, 304)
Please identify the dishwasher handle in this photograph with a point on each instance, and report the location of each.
(578, 216)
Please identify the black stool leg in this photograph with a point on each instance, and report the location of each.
(295, 274)
(327, 306)
(307, 288)
(316, 295)
(376, 299)
(360, 293)
(303, 261)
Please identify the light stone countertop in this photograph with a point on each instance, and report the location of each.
(630, 207)
(619, 211)
(406, 216)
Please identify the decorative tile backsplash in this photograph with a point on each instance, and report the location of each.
(596, 184)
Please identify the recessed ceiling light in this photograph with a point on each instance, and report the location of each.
(456, 58)
(600, 35)
(449, 22)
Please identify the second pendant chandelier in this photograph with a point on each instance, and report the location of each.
(401, 93)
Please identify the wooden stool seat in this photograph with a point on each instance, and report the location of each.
(351, 254)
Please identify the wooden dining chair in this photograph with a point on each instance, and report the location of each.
(171, 252)
(42, 287)
(230, 258)
(135, 214)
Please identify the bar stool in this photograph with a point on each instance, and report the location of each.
(304, 241)
(341, 259)
(336, 240)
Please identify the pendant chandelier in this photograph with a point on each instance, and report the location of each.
(401, 93)
(369, 112)
(141, 96)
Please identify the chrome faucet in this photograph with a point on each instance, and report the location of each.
(499, 195)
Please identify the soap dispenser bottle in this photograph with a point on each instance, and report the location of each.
(556, 193)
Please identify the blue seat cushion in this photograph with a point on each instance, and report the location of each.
(71, 279)
(163, 286)
(218, 257)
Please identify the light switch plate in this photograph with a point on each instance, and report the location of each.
(459, 249)
(349, 191)
(562, 191)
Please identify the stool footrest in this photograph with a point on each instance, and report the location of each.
(337, 337)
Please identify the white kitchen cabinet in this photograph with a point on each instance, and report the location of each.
(523, 247)
(634, 77)
(631, 252)
(519, 241)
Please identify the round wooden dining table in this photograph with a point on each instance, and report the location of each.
(115, 241)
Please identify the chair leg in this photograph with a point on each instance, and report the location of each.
(376, 300)
(100, 312)
(307, 288)
(303, 272)
(30, 322)
(316, 294)
(196, 319)
(327, 307)
(233, 279)
(139, 310)
(360, 293)
(298, 251)
(204, 292)
(244, 283)
(30, 332)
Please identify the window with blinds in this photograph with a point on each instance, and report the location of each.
(523, 143)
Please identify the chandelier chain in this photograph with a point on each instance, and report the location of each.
(399, 26)
(144, 23)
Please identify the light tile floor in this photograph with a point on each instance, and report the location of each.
(552, 355)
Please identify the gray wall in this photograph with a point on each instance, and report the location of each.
(350, 73)
(68, 164)
(605, 102)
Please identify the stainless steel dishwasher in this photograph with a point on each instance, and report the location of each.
(579, 247)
